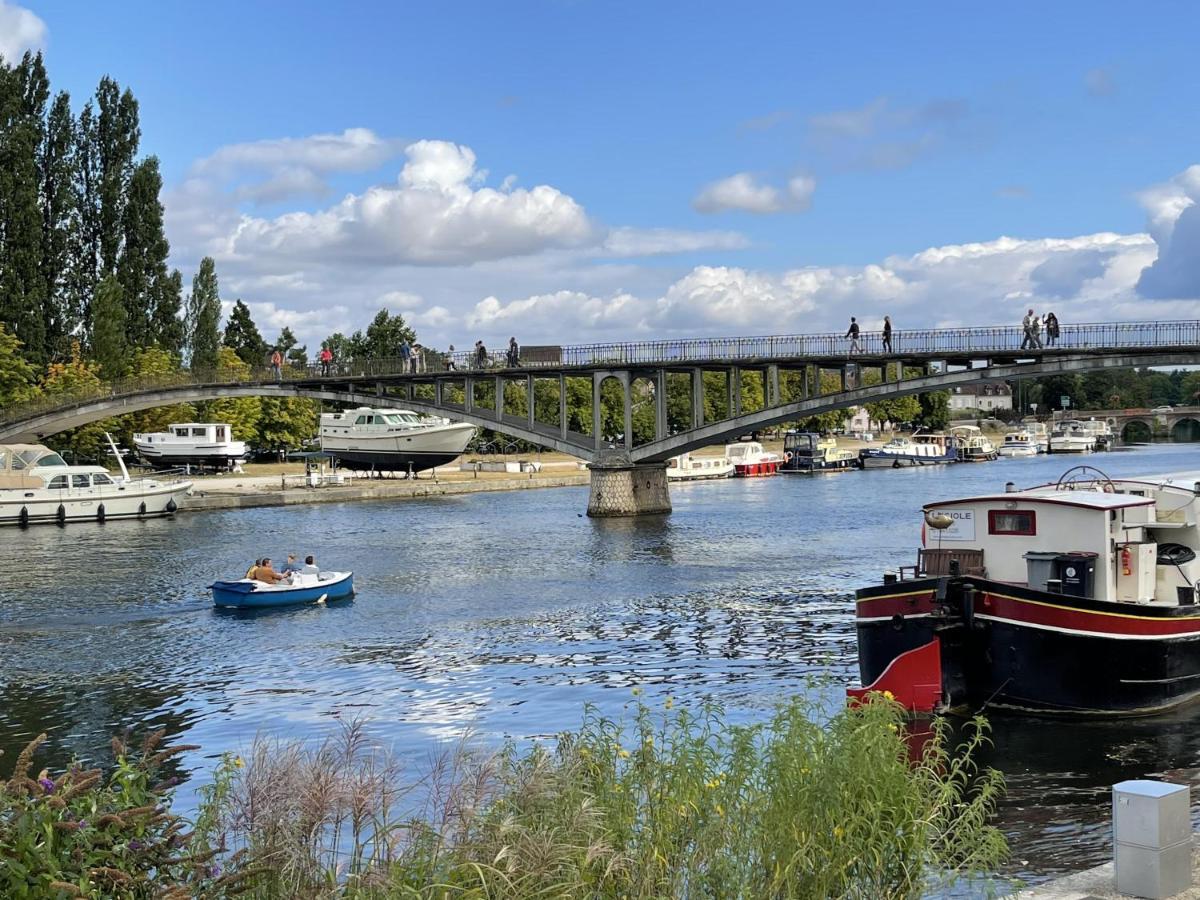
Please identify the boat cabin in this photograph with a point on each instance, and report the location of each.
(368, 420)
(191, 433)
(1119, 541)
(17, 462)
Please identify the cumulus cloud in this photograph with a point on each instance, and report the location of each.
(20, 30)
(1174, 223)
(745, 192)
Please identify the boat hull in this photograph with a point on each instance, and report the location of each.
(247, 594)
(807, 465)
(761, 469)
(58, 507)
(1017, 452)
(398, 452)
(215, 459)
(874, 460)
(1004, 645)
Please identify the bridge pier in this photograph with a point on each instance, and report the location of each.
(621, 487)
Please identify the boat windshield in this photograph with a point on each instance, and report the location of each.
(402, 419)
(51, 459)
(27, 459)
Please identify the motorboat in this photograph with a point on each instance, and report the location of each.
(750, 460)
(807, 452)
(201, 444)
(1078, 596)
(904, 452)
(37, 485)
(686, 467)
(296, 589)
(1101, 432)
(392, 440)
(1040, 435)
(973, 444)
(1070, 436)
(1018, 443)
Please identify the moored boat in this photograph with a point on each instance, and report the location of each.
(1101, 432)
(973, 444)
(805, 452)
(686, 467)
(246, 593)
(1039, 433)
(37, 485)
(392, 440)
(750, 460)
(919, 450)
(191, 444)
(1070, 436)
(1016, 444)
(1073, 597)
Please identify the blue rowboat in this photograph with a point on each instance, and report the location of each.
(247, 594)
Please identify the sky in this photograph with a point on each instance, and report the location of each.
(571, 172)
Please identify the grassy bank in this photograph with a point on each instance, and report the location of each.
(670, 803)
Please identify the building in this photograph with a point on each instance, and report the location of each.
(983, 397)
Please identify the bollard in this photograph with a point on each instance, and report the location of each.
(1152, 838)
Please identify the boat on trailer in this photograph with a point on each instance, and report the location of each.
(392, 440)
(201, 444)
(299, 589)
(806, 452)
(1076, 597)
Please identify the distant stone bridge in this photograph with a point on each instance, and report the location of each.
(1176, 423)
(801, 375)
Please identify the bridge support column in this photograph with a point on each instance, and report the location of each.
(622, 488)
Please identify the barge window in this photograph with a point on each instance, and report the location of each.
(57, 482)
(81, 481)
(1003, 521)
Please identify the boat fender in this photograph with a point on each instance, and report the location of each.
(100, 513)
(171, 506)
(142, 509)
(61, 515)
(23, 517)
(895, 464)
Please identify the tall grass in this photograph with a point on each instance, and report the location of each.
(671, 804)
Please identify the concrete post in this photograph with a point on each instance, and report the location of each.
(529, 400)
(622, 488)
(660, 404)
(772, 388)
(627, 397)
(1152, 838)
(597, 379)
(697, 398)
(562, 406)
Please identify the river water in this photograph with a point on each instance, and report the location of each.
(506, 613)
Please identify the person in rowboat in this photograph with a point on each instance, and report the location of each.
(266, 574)
(250, 573)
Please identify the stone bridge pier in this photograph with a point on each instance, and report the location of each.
(621, 487)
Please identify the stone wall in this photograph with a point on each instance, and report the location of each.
(628, 490)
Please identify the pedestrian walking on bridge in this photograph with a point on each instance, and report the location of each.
(852, 333)
(1027, 326)
(513, 356)
(887, 334)
(481, 355)
(1051, 329)
(277, 365)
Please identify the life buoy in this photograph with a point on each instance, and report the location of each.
(787, 456)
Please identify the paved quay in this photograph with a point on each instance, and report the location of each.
(265, 490)
(1099, 883)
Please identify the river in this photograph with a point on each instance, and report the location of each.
(506, 613)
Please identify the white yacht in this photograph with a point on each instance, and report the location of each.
(686, 467)
(1070, 436)
(1102, 435)
(1040, 435)
(1018, 443)
(392, 440)
(37, 485)
(191, 444)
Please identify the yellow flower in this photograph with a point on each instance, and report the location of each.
(637, 692)
(838, 831)
(720, 810)
(583, 751)
(623, 753)
(683, 810)
(669, 703)
(240, 763)
(888, 695)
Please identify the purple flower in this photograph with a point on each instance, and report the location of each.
(214, 871)
(47, 783)
(136, 845)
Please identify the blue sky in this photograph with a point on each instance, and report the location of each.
(675, 168)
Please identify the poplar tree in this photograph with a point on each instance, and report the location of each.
(150, 300)
(204, 318)
(57, 173)
(84, 249)
(116, 136)
(243, 337)
(110, 349)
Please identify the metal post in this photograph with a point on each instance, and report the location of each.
(771, 390)
(529, 399)
(597, 380)
(468, 394)
(697, 398)
(499, 398)
(660, 404)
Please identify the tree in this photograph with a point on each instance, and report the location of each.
(340, 346)
(935, 410)
(204, 317)
(286, 423)
(295, 354)
(24, 90)
(242, 336)
(891, 409)
(57, 174)
(117, 135)
(16, 375)
(70, 380)
(109, 344)
(151, 300)
(154, 362)
(1189, 389)
(384, 336)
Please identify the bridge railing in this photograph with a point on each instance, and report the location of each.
(1111, 336)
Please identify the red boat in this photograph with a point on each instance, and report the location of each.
(751, 461)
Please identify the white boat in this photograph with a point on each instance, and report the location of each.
(1040, 435)
(1102, 435)
(973, 444)
(919, 450)
(392, 440)
(1018, 443)
(1070, 436)
(191, 444)
(37, 485)
(750, 460)
(686, 467)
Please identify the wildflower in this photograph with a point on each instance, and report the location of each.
(135, 844)
(623, 753)
(888, 695)
(838, 831)
(239, 762)
(720, 810)
(683, 810)
(47, 784)
(583, 751)
(214, 871)
(637, 692)
(892, 727)
(670, 702)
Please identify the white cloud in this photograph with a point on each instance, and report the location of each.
(20, 30)
(1174, 223)
(746, 193)
(354, 150)
(627, 241)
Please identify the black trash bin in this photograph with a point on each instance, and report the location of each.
(1078, 573)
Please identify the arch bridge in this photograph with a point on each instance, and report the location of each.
(798, 376)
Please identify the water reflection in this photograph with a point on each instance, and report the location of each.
(506, 613)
